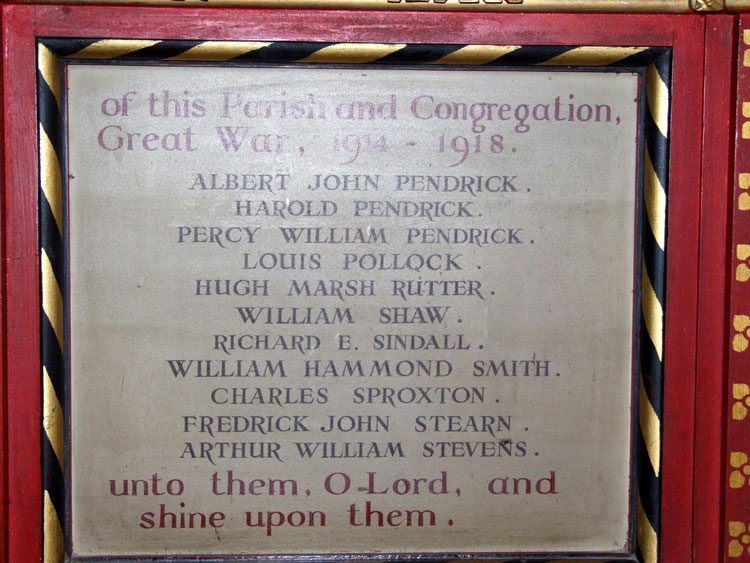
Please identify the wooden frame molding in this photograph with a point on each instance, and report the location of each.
(572, 6)
(704, 332)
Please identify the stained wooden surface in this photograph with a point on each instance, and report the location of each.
(713, 324)
(21, 296)
(696, 313)
(3, 379)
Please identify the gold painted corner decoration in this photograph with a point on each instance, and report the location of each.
(708, 5)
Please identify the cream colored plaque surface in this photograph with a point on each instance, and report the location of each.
(320, 310)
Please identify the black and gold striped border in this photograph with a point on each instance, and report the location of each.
(51, 222)
(653, 293)
(52, 52)
(353, 53)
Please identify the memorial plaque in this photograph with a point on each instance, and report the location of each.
(338, 310)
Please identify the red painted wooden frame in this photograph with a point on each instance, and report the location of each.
(697, 266)
(713, 298)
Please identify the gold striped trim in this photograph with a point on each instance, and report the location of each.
(53, 418)
(476, 54)
(656, 202)
(652, 311)
(593, 56)
(647, 539)
(111, 48)
(650, 428)
(49, 68)
(219, 51)
(50, 176)
(53, 534)
(658, 99)
(52, 298)
(352, 53)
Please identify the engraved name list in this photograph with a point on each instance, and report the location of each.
(350, 310)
